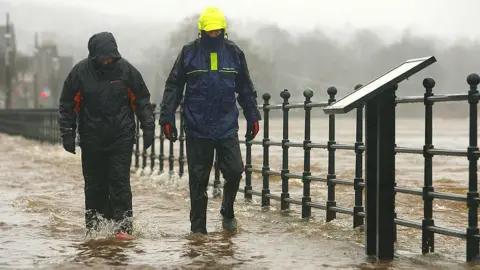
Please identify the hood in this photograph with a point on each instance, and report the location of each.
(103, 45)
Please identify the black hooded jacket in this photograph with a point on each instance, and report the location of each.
(104, 98)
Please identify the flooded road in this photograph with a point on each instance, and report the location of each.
(42, 205)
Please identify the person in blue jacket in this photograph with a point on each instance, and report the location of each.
(214, 69)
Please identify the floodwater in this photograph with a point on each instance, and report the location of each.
(42, 212)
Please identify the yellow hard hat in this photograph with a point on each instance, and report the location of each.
(212, 18)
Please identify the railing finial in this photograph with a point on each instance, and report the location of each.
(332, 91)
(285, 94)
(308, 93)
(473, 79)
(266, 97)
(428, 83)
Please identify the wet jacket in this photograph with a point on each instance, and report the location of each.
(104, 98)
(212, 78)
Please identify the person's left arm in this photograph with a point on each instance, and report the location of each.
(247, 96)
(139, 96)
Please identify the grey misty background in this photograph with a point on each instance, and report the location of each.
(278, 58)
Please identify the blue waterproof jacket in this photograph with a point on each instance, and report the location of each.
(212, 76)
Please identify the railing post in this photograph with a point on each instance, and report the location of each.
(161, 155)
(331, 215)
(171, 158)
(266, 157)
(137, 145)
(152, 147)
(144, 155)
(284, 205)
(181, 139)
(248, 170)
(306, 209)
(371, 148)
(386, 174)
(50, 129)
(472, 195)
(358, 180)
(427, 235)
(35, 90)
(394, 89)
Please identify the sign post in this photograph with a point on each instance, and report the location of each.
(378, 96)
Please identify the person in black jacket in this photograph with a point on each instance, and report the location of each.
(215, 73)
(105, 91)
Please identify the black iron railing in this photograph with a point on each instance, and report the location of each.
(427, 192)
(37, 124)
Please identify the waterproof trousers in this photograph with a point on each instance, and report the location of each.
(107, 187)
(200, 155)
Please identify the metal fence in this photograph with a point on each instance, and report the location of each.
(37, 124)
(43, 125)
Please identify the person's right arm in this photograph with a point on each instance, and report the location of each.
(69, 103)
(172, 96)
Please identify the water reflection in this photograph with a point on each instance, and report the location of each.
(214, 250)
(111, 251)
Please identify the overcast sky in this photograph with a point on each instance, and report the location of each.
(446, 18)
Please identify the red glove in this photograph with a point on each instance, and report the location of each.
(252, 130)
(170, 132)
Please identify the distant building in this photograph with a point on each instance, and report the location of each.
(11, 57)
(51, 70)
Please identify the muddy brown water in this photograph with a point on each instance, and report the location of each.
(42, 212)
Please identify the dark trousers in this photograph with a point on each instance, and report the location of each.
(107, 187)
(200, 155)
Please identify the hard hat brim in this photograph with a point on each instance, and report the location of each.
(211, 27)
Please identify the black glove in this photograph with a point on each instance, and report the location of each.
(148, 137)
(69, 142)
(252, 130)
(170, 132)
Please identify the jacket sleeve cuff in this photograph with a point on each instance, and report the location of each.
(252, 117)
(167, 120)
